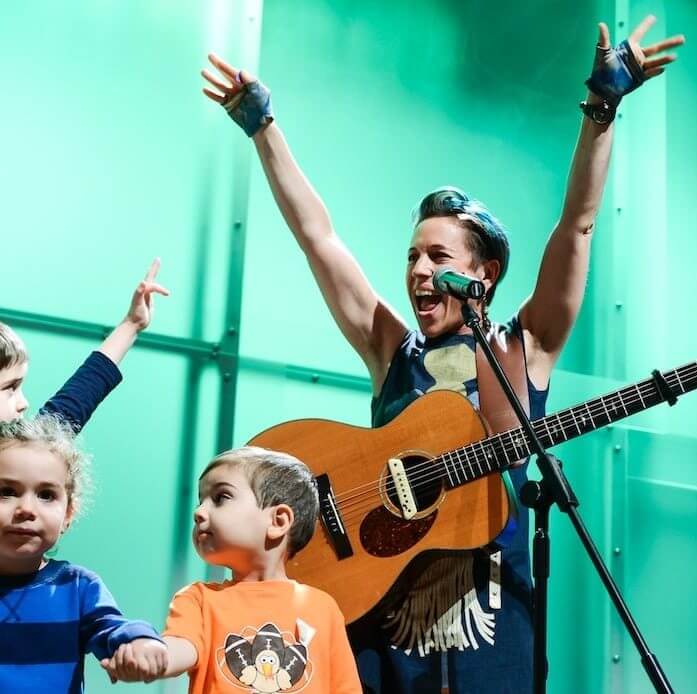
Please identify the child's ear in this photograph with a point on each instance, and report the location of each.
(282, 518)
(69, 515)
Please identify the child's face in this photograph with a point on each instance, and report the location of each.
(229, 527)
(34, 506)
(12, 400)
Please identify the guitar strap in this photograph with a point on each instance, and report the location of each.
(493, 404)
(441, 608)
(497, 411)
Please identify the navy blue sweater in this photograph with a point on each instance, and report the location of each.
(84, 390)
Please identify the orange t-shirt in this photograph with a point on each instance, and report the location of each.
(265, 636)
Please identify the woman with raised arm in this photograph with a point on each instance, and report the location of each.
(467, 614)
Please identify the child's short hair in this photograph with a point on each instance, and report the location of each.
(56, 436)
(277, 478)
(12, 349)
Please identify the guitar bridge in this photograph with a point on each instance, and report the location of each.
(406, 498)
(331, 518)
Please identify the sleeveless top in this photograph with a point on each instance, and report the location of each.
(453, 603)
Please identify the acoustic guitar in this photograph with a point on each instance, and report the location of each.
(426, 483)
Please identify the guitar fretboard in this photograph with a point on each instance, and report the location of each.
(498, 452)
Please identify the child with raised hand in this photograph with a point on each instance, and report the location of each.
(53, 612)
(260, 631)
(95, 379)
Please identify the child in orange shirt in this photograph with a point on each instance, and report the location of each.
(260, 631)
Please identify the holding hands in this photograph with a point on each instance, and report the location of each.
(141, 660)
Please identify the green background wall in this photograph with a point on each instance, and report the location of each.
(110, 156)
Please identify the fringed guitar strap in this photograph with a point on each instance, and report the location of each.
(498, 413)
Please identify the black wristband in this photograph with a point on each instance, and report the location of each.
(602, 113)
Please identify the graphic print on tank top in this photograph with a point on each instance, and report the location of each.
(442, 609)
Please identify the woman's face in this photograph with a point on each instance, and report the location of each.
(439, 242)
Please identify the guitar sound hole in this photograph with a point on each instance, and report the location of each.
(385, 535)
(425, 484)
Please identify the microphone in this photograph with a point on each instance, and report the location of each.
(448, 281)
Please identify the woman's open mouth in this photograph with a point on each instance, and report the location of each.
(426, 301)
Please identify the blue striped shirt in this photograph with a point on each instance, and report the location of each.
(49, 620)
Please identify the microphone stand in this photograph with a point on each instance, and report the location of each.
(554, 488)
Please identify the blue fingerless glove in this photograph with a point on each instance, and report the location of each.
(250, 108)
(616, 72)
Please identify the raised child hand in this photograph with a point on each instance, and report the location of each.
(142, 306)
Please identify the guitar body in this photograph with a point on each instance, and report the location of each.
(429, 482)
(382, 543)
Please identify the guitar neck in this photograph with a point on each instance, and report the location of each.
(499, 452)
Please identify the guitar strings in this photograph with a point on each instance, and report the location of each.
(565, 417)
(373, 488)
(350, 504)
(685, 376)
(357, 500)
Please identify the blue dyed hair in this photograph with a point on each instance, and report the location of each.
(487, 240)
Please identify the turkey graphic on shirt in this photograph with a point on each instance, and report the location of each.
(267, 662)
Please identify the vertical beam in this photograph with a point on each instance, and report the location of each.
(645, 265)
(635, 305)
(246, 39)
(184, 495)
(616, 548)
(237, 25)
(615, 308)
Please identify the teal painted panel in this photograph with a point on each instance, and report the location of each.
(661, 579)
(681, 154)
(267, 399)
(662, 513)
(663, 459)
(106, 147)
(577, 618)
